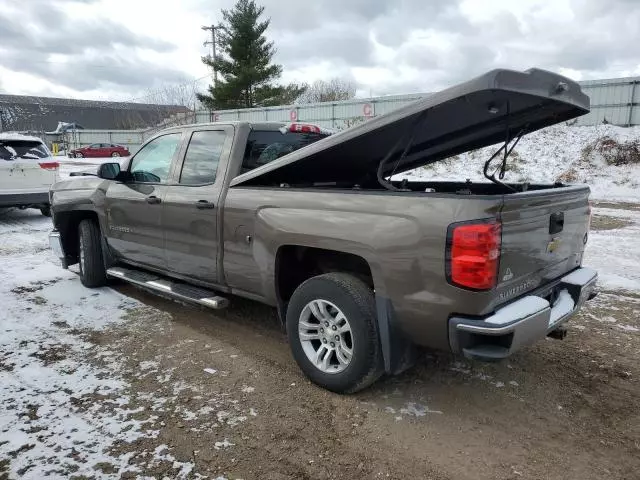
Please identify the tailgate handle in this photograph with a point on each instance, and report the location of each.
(556, 222)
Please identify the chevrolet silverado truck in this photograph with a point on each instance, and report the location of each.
(362, 264)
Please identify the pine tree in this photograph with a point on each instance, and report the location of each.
(245, 66)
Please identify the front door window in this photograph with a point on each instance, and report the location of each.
(152, 163)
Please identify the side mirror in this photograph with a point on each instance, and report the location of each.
(109, 171)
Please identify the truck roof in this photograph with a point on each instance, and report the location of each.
(471, 115)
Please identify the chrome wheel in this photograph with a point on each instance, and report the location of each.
(82, 253)
(325, 336)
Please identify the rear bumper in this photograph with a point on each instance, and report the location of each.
(522, 322)
(24, 199)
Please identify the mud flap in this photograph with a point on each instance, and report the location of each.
(398, 353)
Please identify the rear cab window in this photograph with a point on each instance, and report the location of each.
(203, 157)
(23, 150)
(265, 146)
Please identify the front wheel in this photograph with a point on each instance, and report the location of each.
(92, 271)
(333, 334)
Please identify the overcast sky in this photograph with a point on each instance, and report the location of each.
(122, 49)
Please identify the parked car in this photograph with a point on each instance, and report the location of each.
(27, 171)
(362, 266)
(100, 150)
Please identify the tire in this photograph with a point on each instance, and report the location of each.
(92, 271)
(342, 293)
(79, 155)
(46, 210)
(115, 154)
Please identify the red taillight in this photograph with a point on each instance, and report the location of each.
(304, 128)
(49, 165)
(473, 254)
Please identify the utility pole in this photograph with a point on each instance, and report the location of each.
(212, 42)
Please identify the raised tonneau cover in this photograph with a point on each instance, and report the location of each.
(465, 117)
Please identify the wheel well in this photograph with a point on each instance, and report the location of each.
(295, 264)
(67, 224)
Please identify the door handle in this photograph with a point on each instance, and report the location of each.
(205, 205)
(153, 200)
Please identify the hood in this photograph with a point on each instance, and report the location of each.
(465, 117)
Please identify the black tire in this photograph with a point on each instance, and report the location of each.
(115, 154)
(356, 300)
(92, 271)
(79, 155)
(45, 210)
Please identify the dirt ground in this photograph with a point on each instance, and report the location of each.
(224, 395)
(562, 409)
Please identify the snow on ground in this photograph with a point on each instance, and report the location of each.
(546, 155)
(616, 253)
(43, 369)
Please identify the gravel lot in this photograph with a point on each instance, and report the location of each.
(119, 383)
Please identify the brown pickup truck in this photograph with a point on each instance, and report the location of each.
(361, 264)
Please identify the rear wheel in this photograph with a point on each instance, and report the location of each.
(333, 334)
(115, 154)
(92, 271)
(46, 210)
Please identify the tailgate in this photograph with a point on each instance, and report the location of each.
(543, 236)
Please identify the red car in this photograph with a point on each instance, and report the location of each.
(100, 150)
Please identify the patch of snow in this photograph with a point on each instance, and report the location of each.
(211, 371)
(44, 376)
(247, 389)
(563, 306)
(148, 365)
(628, 328)
(544, 156)
(525, 307)
(417, 410)
(223, 444)
(616, 257)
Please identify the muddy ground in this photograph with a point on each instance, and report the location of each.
(562, 409)
(224, 396)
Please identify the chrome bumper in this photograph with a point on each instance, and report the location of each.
(522, 322)
(55, 243)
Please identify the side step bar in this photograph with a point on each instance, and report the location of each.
(180, 291)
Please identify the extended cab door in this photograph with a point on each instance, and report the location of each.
(191, 210)
(134, 207)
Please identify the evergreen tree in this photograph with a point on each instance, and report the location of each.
(245, 66)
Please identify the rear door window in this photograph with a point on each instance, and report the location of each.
(22, 149)
(265, 146)
(203, 157)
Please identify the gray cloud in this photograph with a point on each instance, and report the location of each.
(426, 45)
(42, 29)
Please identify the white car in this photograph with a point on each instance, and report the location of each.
(27, 170)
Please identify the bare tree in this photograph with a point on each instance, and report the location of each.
(333, 90)
(183, 94)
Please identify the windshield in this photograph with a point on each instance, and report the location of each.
(265, 146)
(22, 149)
